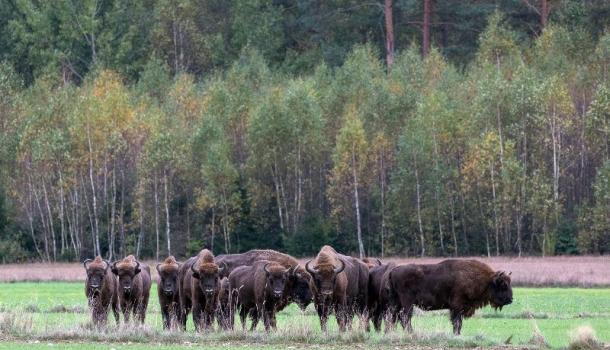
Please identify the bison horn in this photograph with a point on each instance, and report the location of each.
(113, 264)
(265, 267)
(379, 262)
(339, 269)
(87, 261)
(293, 270)
(221, 269)
(309, 269)
(107, 265)
(137, 265)
(159, 271)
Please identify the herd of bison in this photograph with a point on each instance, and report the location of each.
(259, 283)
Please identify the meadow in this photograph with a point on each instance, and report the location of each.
(36, 314)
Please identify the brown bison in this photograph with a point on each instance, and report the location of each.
(462, 286)
(199, 287)
(101, 290)
(379, 301)
(134, 287)
(167, 289)
(340, 284)
(300, 291)
(260, 290)
(224, 315)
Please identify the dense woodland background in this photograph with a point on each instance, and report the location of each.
(382, 127)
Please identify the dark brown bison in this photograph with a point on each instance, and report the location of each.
(101, 290)
(224, 314)
(134, 287)
(340, 284)
(199, 287)
(379, 298)
(167, 289)
(462, 286)
(300, 291)
(260, 290)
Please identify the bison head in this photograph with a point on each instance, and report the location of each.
(301, 291)
(208, 275)
(325, 276)
(96, 272)
(168, 278)
(501, 293)
(276, 278)
(126, 272)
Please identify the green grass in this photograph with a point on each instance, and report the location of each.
(553, 312)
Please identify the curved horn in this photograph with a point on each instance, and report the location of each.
(159, 271)
(221, 269)
(339, 269)
(309, 269)
(137, 265)
(293, 270)
(379, 262)
(265, 267)
(113, 264)
(193, 269)
(87, 261)
(107, 265)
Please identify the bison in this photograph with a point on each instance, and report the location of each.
(101, 290)
(300, 291)
(134, 287)
(462, 286)
(340, 284)
(260, 290)
(167, 289)
(224, 314)
(379, 299)
(199, 287)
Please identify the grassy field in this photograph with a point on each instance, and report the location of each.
(51, 312)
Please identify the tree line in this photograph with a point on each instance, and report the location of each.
(417, 155)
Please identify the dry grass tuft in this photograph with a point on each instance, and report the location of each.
(538, 339)
(584, 338)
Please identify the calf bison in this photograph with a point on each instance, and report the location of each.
(340, 283)
(199, 287)
(300, 291)
(134, 287)
(462, 286)
(260, 290)
(101, 290)
(167, 289)
(379, 298)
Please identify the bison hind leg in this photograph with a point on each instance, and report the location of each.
(457, 318)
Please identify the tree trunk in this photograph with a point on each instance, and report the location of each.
(51, 228)
(389, 33)
(357, 204)
(419, 220)
(426, 28)
(495, 210)
(167, 223)
(156, 195)
(95, 230)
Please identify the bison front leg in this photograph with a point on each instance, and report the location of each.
(456, 319)
(197, 316)
(406, 313)
(116, 307)
(255, 316)
(323, 311)
(165, 316)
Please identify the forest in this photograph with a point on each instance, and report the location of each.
(384, 128)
